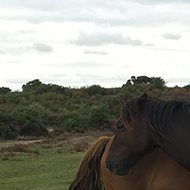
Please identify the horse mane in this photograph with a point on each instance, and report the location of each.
(159, 113)
(88, 176)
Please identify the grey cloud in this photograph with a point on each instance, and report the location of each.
(98, 39)
(171, 36)
(115, 13)
(149, 44)
(19, 50)
(95, 52)
(41, 47)
(160, 1)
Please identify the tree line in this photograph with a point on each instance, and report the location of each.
(41, 106)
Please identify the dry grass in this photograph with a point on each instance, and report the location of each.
(17, 148)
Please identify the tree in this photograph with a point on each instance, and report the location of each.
(95, 89)
(143, 80)
(31, 85)
(157, 83)
(4, 90)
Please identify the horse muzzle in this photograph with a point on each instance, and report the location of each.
(116, 167)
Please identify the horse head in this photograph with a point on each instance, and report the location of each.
(132, 139)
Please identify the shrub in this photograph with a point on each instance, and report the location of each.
(95, 89)
(28, 121)
(99, 115)
(6, 132)
(70, 120)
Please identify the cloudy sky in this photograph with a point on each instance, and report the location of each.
(84, 42)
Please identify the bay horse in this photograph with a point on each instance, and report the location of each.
(155, 171)
(145, 124)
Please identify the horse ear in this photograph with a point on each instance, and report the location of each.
(140, 103)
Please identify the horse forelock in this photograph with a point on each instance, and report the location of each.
(127, 115)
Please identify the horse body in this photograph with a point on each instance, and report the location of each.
(147, 123)
(155, 171)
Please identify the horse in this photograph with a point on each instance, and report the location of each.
(145, 124)
(155, 171)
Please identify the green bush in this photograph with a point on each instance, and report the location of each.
(6, 131)
(99, 115)
(27, 121)
(95, 89)
(114, 104)
(70, 120)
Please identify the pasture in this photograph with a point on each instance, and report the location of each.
(45, 164)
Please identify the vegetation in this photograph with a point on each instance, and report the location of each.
(46, 164)
(62, 114)
(40, 106)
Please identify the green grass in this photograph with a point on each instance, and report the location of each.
(46, 165)
(52, 169)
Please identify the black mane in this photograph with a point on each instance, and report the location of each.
(158, 112)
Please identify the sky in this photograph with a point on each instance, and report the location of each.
(81, 43)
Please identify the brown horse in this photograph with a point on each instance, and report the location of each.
(155, 171)
(145, 124)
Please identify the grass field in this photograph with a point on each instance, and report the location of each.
(49, 164)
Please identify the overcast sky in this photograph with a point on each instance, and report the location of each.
(80, 43)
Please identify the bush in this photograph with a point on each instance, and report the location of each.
(95, 89)
(6, 132)
(27, 121)
(114, 104)
(99, 115)
(70, 120)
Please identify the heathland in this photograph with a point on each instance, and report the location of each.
(45, 128)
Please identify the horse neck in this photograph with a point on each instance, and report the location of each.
(160, 121)
(173, 136)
